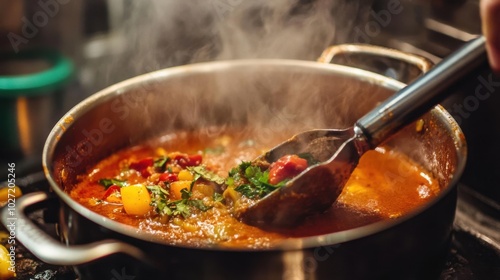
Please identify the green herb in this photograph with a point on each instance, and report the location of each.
(185, 194)
(229, 181)
(161, 163)
(181, 207)
(248, 190)
(235, 173)
(195, 178)
(255, 190)
(241, 168)
(217, 197)
(110, 182)
(159, 200)
(258, 181)
(201, 171)
(198, 204)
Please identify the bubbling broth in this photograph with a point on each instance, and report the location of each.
(176, 187)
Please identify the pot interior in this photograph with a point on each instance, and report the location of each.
(271, 95)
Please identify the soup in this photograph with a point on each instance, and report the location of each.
(177, 188)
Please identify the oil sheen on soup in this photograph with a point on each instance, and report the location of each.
(181, 188)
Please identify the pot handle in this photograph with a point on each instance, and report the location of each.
(402, 66)
(47, 248)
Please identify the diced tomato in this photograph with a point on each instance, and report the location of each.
(286, 167)
(195, 160)
(145, 173)
(110, 190)
(142, 166)
(188, 160)
(168, 177)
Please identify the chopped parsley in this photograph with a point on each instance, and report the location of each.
(201, 171)
(110, 182)
(161, 163)
(182, 207)
(217, 197)
(251, 181)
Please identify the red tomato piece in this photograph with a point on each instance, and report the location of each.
(194, 160)
(168, 177)
(110, 190)
(145, 173)
(188, 160)
(142, 164)
(286, 167)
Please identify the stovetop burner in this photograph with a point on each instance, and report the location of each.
(474, 252)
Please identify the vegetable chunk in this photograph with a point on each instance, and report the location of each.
(136, 199)
(6, 270)
(286, 167)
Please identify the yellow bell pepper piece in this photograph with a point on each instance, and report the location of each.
(7, 270)
(14, 193)
(136, 199)
(185, 175)
(176, 187)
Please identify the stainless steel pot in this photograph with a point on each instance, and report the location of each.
(280, 92)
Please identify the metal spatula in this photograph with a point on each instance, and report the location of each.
(338, 150)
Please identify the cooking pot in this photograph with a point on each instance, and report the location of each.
(271, 93)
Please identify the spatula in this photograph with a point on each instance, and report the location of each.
(338, 150)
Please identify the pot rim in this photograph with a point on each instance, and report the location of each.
(293, 243)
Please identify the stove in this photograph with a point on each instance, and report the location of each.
(430, 28)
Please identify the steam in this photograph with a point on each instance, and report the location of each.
(164, 33)
(277, 29)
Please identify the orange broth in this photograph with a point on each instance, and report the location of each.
(385, 185)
